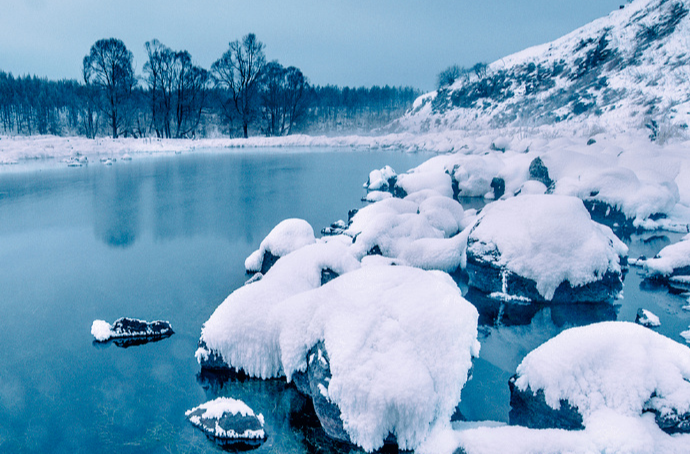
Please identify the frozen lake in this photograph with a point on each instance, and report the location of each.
(166, 238)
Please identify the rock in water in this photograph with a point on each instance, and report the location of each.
(229, 422)
(647, 318)
(138, 331)
(544, 248)
(600, 369)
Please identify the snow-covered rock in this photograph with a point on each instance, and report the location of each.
(381, 180)
(242, 331)
(424, 230)
(229, 422)
(544, 247)
(617, 367)
(647, 318)
(289, 235)
(130, 328)
(673, 260)
(400, 342)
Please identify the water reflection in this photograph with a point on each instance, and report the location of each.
(290, 421)
(117, 207)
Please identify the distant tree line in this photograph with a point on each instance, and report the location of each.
(242, 94)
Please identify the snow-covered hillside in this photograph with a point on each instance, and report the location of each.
(628, 70)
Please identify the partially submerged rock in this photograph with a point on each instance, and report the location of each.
(647, 318)
(615, 367)
(229, 422)
(671, 262)
(134, 330)
(544, 248)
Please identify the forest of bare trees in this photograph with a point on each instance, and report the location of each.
(242, 94)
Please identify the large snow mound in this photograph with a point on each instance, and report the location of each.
(241, 328)
(618, 366)
(400, 342)
(548, 239)
(289, 235)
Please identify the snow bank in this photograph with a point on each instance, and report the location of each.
(548, 239)
(241, 328)
(400, 342)
(617, 366)
(670, 259)
(289, 235)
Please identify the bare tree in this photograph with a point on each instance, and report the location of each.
(109, 68)
(177, 89)
(238, 71)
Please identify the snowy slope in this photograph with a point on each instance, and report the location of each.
(626, 70)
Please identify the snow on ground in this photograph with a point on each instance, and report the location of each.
(400, 342)
(548, 239)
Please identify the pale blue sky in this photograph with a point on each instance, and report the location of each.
(344, 42)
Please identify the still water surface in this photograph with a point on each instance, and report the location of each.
(166, 238)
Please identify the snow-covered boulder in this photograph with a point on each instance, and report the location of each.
(423, 230)
(381, 180)
(289, 235)
(671, 261)
(545, 248)
(229, 422)
(617, 367)
(137, 331)
(399, 344)
(241, 333)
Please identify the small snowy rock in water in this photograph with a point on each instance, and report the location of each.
(381, 180)
(647, 318)
(125, 327)
(673, 260)
(229, 421)
(686, 335)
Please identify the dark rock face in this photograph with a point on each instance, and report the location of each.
(268, 262)
(212, 360)
(327, 275)
(498, 184)
(130, 327)
(606, 214)
(673, 422)
(531, 410)
(539, 172)
(319, 375)
(486, 276)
